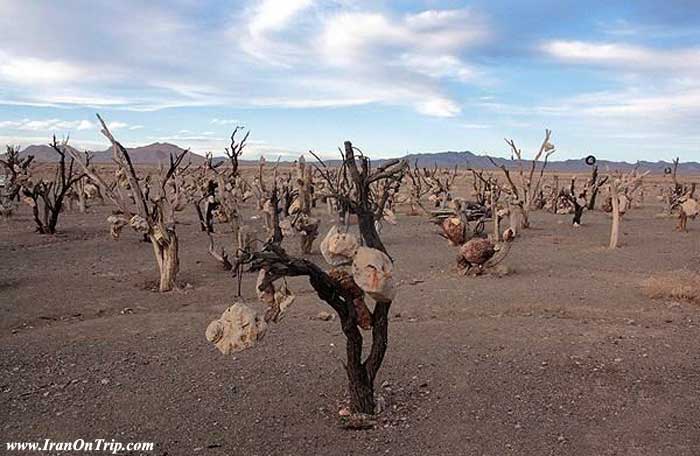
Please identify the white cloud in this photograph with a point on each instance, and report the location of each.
(659, 87)
(312, 102)
(47, 125)
(85, 125)
(623, 55)
(352, 38)
(265, 20)
(39, 98)
(438, 67)
(216, 121)
(365, 56)
(389, 58)
(116, 125)
(28, 71)
(474, 126)
(664, 104)
(438, 108)
(273, 15)
(186, 137)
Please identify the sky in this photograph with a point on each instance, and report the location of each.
(618, 79)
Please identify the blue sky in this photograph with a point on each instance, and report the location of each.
(617, 79)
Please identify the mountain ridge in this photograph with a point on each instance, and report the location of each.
(471, 160)
(159, 152)
(151, 154)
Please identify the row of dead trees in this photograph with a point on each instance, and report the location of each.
(285, 198)
(524, 188)
(217, 189)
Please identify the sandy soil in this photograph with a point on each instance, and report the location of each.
(565, 356)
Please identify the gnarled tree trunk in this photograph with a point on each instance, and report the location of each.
(166, 252)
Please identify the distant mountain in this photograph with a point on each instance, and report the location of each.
(468, 159)
(156, 153)
(41, 153)
(159, 152)
(151, 154)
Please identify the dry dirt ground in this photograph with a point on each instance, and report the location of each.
(566, 356)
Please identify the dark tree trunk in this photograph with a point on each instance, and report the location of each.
(37, 219)
(53, 215)
(361, 375)
(578, 213)
(591, 202)
(277, 236)
(368, 230)
(360, 387)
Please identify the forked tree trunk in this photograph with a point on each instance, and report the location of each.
(46, 214)
(361, 375)
(166, 252)
(53, 217)
(360, 388)
(40, 225)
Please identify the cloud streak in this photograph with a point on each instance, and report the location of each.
(622, 55)
(48, 125)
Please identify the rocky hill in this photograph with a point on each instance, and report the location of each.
(151, 154)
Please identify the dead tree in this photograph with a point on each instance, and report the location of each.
(439, 187)
(345, 292)
(353, 186)
(219, 189)
(677, 193)
(687, 209)
(594, 185)
(577, 199)
(487, 193)
(261, 193)
(524, 192)
(297, 197)
(384, 193)
(83, 190)
(276, 235)
(46, 197)
(482, 186)
(549, 197)
(674, 174)
(622, 188)
(416, 190)
(16, 175)
(151, 212)
(269, 196)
